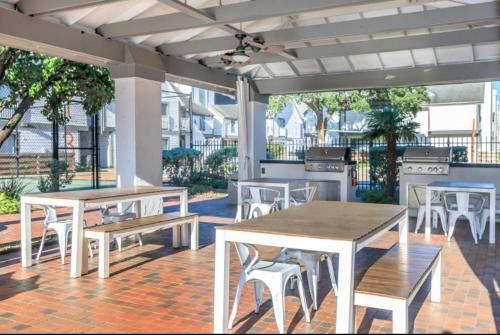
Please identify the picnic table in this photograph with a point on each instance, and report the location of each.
(325, 226)
(83, 199)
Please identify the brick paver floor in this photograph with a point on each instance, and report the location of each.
(157, 289)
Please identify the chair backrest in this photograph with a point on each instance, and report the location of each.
(244, 255)
(259, 194)
(420, 194)
(50, 214)
(464, 202)
(303, 195)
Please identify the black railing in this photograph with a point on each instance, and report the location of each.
(219, 158)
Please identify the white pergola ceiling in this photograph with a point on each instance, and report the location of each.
(329, 44)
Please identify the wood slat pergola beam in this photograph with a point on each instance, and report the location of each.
(28, 33)
(469, 14)
(241, 12)
(435, 40)
(44, 7)
(432, 75)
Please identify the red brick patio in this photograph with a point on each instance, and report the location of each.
(158, 289)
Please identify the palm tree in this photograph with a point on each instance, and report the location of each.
(392, 125)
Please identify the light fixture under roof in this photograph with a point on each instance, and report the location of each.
(240, 56)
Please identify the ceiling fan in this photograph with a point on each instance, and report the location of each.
(240, 56)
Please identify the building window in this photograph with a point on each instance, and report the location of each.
(202, 123)
(281, 123)
(233, 126)
(202, 97)
(165, 116)
(165, 144)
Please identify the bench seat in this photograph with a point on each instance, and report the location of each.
(392, 282)
(104, 233)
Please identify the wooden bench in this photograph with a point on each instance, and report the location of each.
(393, 281)
(106, 232)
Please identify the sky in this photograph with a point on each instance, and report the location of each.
(497, 85)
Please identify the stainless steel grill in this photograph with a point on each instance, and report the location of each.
(427, 160)
(327, 159)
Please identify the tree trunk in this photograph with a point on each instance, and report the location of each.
(9, 127)
(320, 128)
(390, 187)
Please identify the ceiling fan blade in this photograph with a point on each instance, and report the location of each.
(255, 44)
(227, 57)
(275, 49)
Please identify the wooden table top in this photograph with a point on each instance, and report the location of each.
(105, 193)
(462, 184)
(331, 220)
(275, 180)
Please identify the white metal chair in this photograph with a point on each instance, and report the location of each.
(311, 261)
(262, 201)
(301, 196)
(275, 275)
(485, 215)
(62, 228)
(437, 207)
(464, 204)
(110, 217)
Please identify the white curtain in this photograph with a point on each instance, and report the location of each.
(245, 164)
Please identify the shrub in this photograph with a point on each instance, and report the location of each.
(222, 162)
(459, 155)
(9, 205)
(219, 184)
(378, 163)
(377, 197)
(13, 187)
(200, 188)
(179, 164)
(59, 176)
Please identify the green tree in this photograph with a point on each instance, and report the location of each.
(323, 105)
(391, 117)
(277, 104)
(30, 76)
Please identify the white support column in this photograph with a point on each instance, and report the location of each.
(251, 130)
(138, 136)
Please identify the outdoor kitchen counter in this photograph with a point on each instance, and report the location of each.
(332, 185)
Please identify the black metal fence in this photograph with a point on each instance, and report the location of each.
(218, 158)
(370, 155)
(31, 151)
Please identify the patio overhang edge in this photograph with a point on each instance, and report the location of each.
(28, 33)
(430, 75)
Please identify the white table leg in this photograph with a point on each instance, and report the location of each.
(287, 195)
(175, 237)
(221, 290)
(77, 240)
(345, 298)
(25, 234)
(185, 226)
(403, 229)
(428, 199)
(137, 208)
(239, 210)
(195, 233)
(492, 216)
(436, 281)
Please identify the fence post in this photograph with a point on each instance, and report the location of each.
(17, 151)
